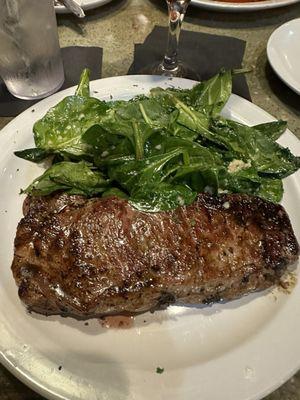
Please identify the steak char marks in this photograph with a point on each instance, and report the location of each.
(92, 257)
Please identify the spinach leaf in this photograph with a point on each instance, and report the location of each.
(115, 192)
(195, 124)
(207, 154)
(273, 130)
(131, 174)
(207, 97)
(199, 178)
(74, 178)
(211, 96)
(162, 197)
(100, 141)
(35, 155)
(249, 144)
(61, 129)
(134, 129)
(147, 110)
(270, 189)
(201, 167)
(248, 181)
(191, 119)
(185, 122)
(83, 88)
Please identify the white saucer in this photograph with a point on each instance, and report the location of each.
(283, 52)
(225, 6)
(85, 4)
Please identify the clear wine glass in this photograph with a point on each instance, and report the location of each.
(171, 66)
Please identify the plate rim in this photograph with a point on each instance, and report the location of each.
(242, 7)
(18, 373)
(274, 64)
(92, 4)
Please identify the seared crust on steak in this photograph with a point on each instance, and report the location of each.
(92, 257)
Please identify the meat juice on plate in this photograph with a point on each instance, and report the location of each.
(30, 61)
(117, 321)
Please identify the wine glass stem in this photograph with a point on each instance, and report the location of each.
(176, 9)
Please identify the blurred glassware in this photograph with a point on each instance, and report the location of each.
(171, 66)
(30, 59)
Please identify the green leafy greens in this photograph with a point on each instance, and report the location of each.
(74, 178)
(158, 151)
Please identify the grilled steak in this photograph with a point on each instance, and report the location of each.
(92, 257)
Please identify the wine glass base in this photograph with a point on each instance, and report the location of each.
(181, 71)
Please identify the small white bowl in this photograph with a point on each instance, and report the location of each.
(283, 52)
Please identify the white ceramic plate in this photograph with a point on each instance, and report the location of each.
(283, 52)
(242, 7)
(85, 4)
(241, 350)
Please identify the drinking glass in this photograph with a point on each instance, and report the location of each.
(171, 66)
(30, 60)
